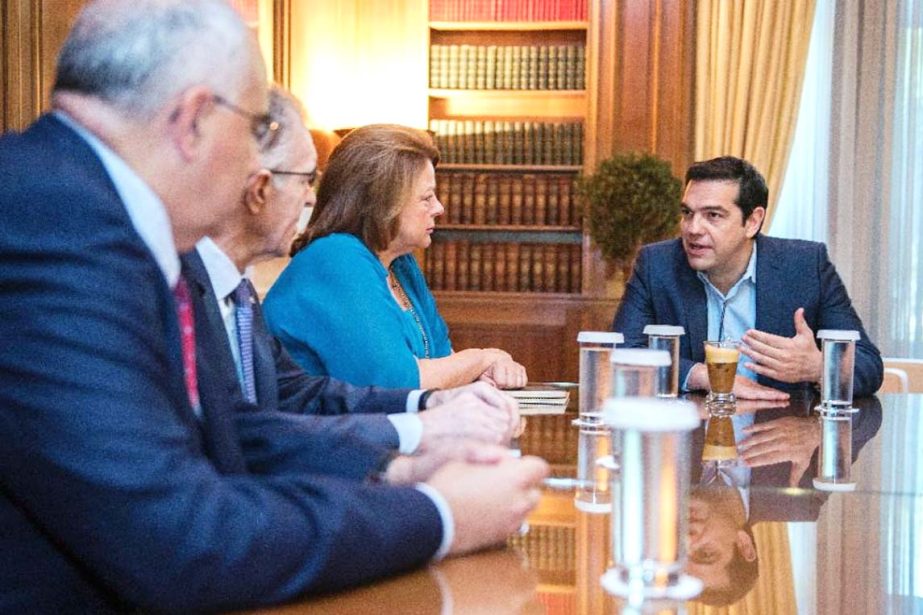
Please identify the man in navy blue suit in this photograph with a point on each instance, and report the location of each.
(723, 279)
(119, 489)
(263, 226)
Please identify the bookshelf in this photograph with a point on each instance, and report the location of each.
(507, 105)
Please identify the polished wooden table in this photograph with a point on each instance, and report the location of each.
(818, 552)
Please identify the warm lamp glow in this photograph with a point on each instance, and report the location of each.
(357, 63)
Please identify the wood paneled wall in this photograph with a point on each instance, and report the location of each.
(645, 77)
(31, 35)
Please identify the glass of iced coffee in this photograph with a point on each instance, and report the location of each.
(721, 360)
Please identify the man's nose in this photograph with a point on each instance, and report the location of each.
(693, 224)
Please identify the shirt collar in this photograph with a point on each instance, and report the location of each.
(223, 273)
(145, 209)
(749, 274)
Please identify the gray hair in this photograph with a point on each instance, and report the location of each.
(288, 112)
(138, 55)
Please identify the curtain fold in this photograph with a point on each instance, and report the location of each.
(860, 230)
(750, 61)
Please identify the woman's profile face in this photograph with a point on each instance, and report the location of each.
(417, 219)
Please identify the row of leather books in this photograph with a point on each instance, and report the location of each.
(462, 265)
(551, 438)
(514, 198)
(549, 547)
(509, 142)
(508, 10)
(508, 67)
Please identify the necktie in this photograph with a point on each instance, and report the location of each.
(243, 313)
(187, 338)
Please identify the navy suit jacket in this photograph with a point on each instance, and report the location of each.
(113, 494)
(664, 290)
(281, 385)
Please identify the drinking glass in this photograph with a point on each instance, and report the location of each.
(721, 360)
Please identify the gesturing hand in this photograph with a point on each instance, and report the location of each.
(790, 438)
(786, 359)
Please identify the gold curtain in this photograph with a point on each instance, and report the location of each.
(750, 58)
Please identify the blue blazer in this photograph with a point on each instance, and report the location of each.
(113, 494)
(281, 384)
(790, 273)
(333, 311)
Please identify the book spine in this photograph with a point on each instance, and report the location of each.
(480, 199)
(462, 266)
(563, 264)
(525, 268)
(435, 258)
(504, 188)
(474, 266)
(467, 214)
(450, 275)
(541, 200)
(488, 265)
(576, 270)
(550, 271)
(552, 211)
(511, 282)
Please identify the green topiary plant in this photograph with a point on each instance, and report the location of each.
(630, 200)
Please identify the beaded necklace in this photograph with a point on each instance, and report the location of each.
(404, 300)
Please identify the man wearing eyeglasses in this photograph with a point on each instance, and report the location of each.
(120, 490)
(263, 226)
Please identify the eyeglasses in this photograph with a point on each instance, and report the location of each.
(262, 126)
(310, 178)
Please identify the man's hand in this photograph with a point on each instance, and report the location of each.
(505, 374)
(474, 411)
(489, 502)
(744, 388)
(790, 438)
(410, 469)
(786, 359)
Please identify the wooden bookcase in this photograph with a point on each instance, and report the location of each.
(509, 107)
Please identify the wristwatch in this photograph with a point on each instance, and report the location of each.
(424, 397)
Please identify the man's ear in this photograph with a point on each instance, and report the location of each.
(191, 109)
(755, 221)
(745, 546)
(258, 192)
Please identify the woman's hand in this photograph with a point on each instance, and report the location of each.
(505, 373)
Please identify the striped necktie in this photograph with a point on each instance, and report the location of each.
(243, 313)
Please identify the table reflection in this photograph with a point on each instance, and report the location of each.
(760, 536)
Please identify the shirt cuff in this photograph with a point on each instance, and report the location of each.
(413, 400)
(445, 513)
(409, 429)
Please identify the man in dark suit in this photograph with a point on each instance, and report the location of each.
(120, 489)
(723, 279)
(263, 226)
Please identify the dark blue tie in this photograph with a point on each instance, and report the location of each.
(243, 313)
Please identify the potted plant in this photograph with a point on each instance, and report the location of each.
(630, 200)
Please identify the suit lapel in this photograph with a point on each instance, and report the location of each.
(218, 387)
(692, 295)
(264, 365)
(770, 287)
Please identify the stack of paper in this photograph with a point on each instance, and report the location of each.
(541, 399)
